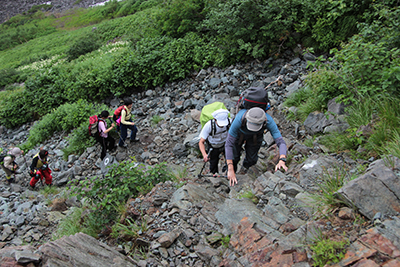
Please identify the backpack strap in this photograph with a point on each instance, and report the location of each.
(98, 129)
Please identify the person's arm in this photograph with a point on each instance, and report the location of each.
(229, 143)
(103, 128)
(34, 163)
(280, 142)
(204, 134)
(202, 148)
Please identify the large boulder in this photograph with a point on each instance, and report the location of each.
(378, 190)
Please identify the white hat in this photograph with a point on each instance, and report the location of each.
(255, 119)
(221, 115)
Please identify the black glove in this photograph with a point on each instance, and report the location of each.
(37, 176)
(44, 167)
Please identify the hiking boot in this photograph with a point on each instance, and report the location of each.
(243, 171)
(123, 146)
(135, 140)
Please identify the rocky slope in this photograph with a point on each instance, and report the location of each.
(188, 225)
(9, 8)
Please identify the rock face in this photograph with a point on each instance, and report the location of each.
(10, 8)
(81, 250)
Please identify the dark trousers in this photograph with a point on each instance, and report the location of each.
(124, 133)
(106, 143)
(214, 158)
(251, 147)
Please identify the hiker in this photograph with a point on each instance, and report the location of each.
(214, 133)
(40, 169)
(9, 165)
(127, 123)
(248, 128)
(106, 141)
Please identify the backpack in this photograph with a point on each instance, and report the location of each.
(117, 113)
(2, 156)
(93, 126)
(206, 115)
(253, 97)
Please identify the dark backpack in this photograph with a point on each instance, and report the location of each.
(253, 97)
(93, 126)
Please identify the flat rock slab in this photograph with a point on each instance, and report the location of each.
(81, 250)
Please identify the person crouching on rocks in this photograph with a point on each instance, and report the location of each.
(9, 165)
(40, 169)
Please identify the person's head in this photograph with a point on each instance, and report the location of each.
(104, 114)
(43, 154)
(16, 152)
(128, 102)
(221, 116)
(255, 119)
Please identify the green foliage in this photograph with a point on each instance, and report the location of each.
(393, 147)
(83, 46)
(250, 195)
(225, 241)
(320, 87)
(327, 251)
(257, 28)
(8, 76)
(78, 140)
(68, 117)
(12, 105)
(156, 119)
(179, 17)
(329, 183)
(154, 61)
(327, 24)
(128, 179)
(129, 230)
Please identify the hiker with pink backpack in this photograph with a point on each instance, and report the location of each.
(123, 117)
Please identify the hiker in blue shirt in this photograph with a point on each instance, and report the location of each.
(248, 128)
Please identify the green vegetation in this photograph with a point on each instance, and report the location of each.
(156, 119)
(325, 198)
(128, 179)
(105, 200)
(365, 74)
(327, 251)
(250, 195)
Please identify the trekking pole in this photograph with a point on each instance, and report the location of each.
(208, 156)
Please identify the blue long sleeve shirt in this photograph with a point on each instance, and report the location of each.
(236, 130)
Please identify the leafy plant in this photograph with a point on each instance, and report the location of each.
(127, 232)
(250, 195)
(128, 179)
(156, 119)
(83, 46)
(225, 241)
(327, 251)
(325, 198)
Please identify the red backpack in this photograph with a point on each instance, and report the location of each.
(93, 126)
(117, 113)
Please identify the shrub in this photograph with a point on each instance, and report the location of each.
(327, 251)
(128, 179)
(8, 76)
(179, 17)
(83, 46)
(12, 105)
(68, 117)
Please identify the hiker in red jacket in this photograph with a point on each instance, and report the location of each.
(40, 169)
